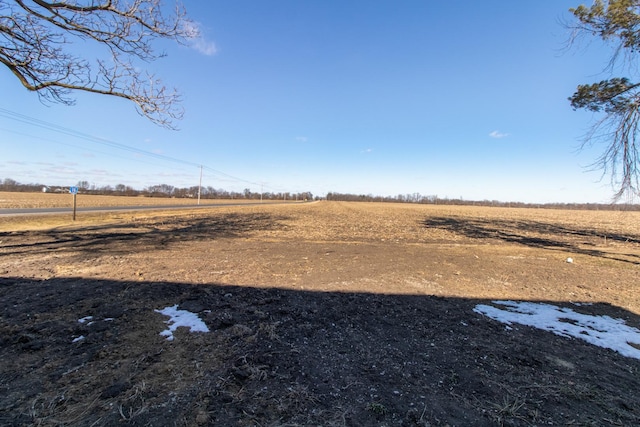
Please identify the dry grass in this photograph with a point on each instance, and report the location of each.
(11, 200)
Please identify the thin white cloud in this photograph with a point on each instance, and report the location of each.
(102, 172)
(205, 47)
(198, 41)
(498, 134)
(302, 138)
(65, 170)
(174, 175)
(367, 151)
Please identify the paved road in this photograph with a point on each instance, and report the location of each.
(49, 211)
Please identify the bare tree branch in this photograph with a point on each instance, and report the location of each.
(36, 38)
(618, 23)
(618, 131)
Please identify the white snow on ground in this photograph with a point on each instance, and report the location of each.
(603, 331)
(86, 319)
(178, 318)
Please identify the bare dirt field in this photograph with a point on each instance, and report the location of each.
(9, 200)
(57, 200)
(327, 313)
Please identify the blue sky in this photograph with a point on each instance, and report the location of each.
(455, 99)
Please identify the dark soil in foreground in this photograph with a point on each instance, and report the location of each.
(324, 351)
(280, 357)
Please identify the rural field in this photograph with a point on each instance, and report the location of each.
(9, 200)
(320, 314)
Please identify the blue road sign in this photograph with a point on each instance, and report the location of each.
(73, 190)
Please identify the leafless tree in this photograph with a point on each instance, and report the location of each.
(616, 22)
(38, 44)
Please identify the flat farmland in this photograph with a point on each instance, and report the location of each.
(11, 200)
(324, 313)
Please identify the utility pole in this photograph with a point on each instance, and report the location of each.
(200, 185)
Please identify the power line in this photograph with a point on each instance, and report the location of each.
(87, 137)
(76, 146)
(112, 144)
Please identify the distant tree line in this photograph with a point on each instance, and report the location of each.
(165, 190)
(435, 200)
(160, 190)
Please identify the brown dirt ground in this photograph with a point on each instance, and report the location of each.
(9, 200)
(328, 314)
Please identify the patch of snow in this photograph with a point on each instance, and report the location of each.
(85, 319)
(603, 331)
(178, 318)
(80, 338)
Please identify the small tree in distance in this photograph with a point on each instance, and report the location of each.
(83, 185)
(616, 22)
(36, 38)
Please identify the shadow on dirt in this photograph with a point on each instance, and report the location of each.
(538, 235)
(140, 234)
(89, 352)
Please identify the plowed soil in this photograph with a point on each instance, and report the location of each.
(326, 313)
